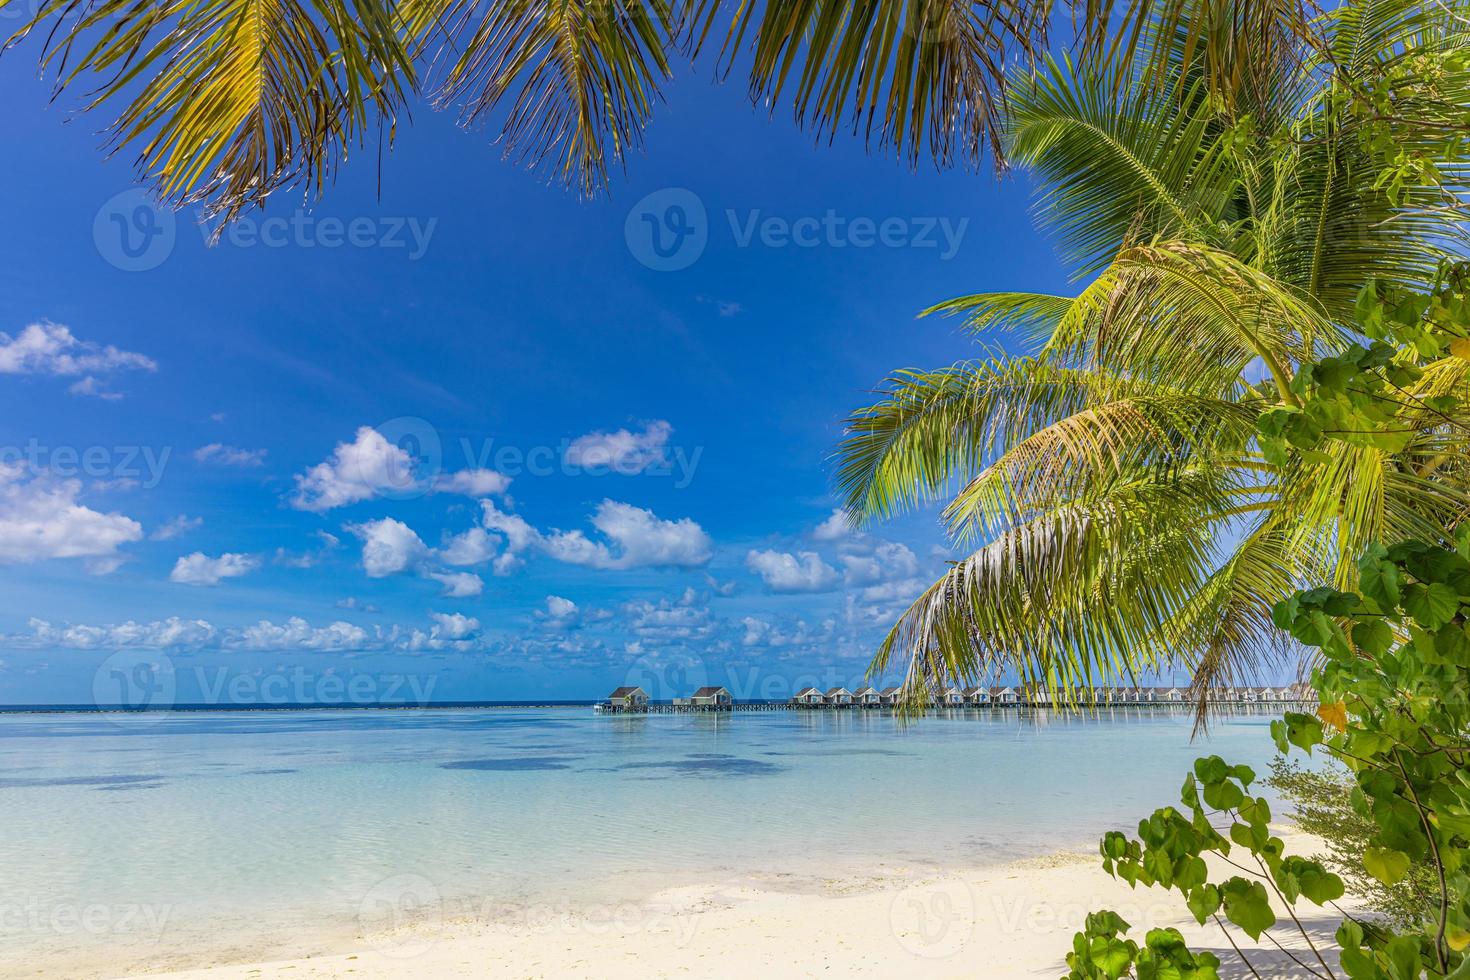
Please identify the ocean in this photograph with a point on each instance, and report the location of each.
(135, 841)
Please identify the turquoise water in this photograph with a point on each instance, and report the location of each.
(176, 839)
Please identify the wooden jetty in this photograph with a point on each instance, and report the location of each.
(634, 700)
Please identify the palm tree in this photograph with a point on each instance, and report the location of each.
(1115, 483)
(225, 102)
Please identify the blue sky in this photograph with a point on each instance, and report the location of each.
(224, 466)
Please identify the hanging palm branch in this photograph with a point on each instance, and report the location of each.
(225, 102)
(1127, 514)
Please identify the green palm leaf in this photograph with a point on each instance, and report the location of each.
(227, 101)
(577, 79)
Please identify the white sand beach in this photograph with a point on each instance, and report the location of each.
(1013, 921)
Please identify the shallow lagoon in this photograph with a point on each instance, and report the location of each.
(162, 837)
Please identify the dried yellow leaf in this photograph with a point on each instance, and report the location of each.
(1334, 714)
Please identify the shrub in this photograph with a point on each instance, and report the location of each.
(1322, 806)
(1392, 678)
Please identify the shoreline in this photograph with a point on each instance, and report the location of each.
(1012, 920)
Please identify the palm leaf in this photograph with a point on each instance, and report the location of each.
(228, 101)
(577, 79)
(924, 77)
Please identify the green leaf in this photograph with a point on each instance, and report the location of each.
(1373, 636)
(1211, 769)
(1112, 956)
(1380, 580)
(1431, 605)
(1387, 865)
(1321, 887)
(1203, 902)
(1223, 796)
(1247, 906)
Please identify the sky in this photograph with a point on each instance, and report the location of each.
(469, 437)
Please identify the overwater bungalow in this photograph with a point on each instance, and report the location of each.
(628, 699)
(1173, 695)
(808, 697)
(714, 698)
(1005, 696)
(977, 697)
(952, 697)
(838, 697)
(867, 697)
(1039, 695)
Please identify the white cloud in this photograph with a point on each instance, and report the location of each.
(519, 535)
(560, 613)
(458, 585)
(455, 626)
(473, 547)
(297, 634)
(223, 455)
(636, 538)
(669, 620)
(200, 569)
(799, 636)
(90, 387)
(804, 571)
(308, 559)
(622, 451)
(367, 467)
(388, 546)
(888, 561)
(559, 608)
(834, 528)
(104, 566)
(352, 602)
(900, 591)
(633, 538)
(182, 524)
(723, 589)
(51, 349)
(472, 483)
(40, 518)
(451, 631)
(159, 634)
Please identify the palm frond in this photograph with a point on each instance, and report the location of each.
(1191, 317)
(1146, 432)
(228, 101)
(1117, 170)
(1224, 635)
(577, 79)
(1034, 315)
(1067, 599)
(932, 428)
(923, 77)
